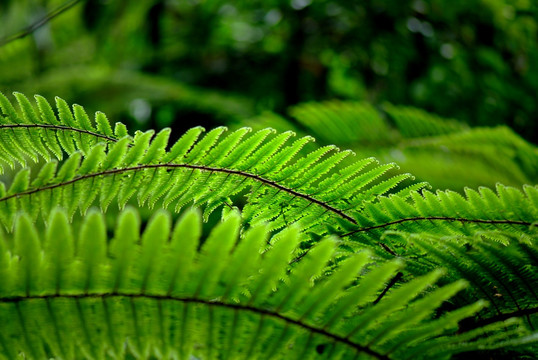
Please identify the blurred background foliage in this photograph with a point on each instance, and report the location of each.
(446, 153)
(366, 66)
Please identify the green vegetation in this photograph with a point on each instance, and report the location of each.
(365, 188)
(473, 61)
(224, 298)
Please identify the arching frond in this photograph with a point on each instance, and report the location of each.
(281, 186)
(201, 168)
(167, 293)
(508, 212)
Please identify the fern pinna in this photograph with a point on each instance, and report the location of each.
(297, 294)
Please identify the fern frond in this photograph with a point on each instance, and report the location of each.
(414, 123)
(281, 186)
(167, 296)
(205, 170)
(30, 133)
(343, 122)
(447, 213)
(502, 273)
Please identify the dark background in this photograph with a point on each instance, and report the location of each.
(155, 63)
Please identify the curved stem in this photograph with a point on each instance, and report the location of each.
(440, 218)
(57, 127)
(193, 167)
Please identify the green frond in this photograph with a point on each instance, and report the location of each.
(342, 122)
(413, 122)
(501, 273)
(447, 213)
(85, 297)
(204, 170)
(281, 186)
(36, 132)
(355, 198)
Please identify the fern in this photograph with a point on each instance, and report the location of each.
(90, 294)
(25, 133)
(416, 123)
(216, 166)
(218, 169)
(509, 211)
(501, 228)
(328, 280)
(502, 273)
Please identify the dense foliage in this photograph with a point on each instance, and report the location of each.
(471, 60)
(293, 294)
(259, 237)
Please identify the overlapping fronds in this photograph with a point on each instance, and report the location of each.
(487, 238)
(281, 186)
(300, 296)
(68, 293)
(202, 169)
